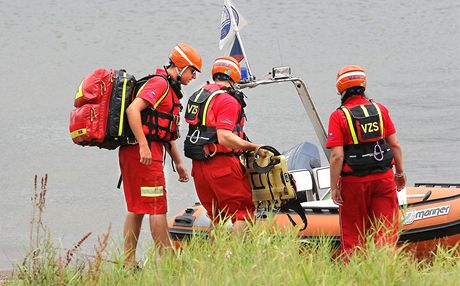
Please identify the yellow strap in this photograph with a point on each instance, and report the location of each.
(78, 132)
(122, 109)
(161, 98)
(156, 191)
(350, 124)
(364, 109)
(79, 91)
(380, 118)
(198, 95)
(203, 122)
(140, 89)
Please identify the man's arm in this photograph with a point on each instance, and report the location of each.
(233, 141)
(133, 113)
(336, 162)
(400, 176)
(178, 162)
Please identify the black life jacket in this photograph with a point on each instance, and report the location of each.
(158, 123)
(202, 132)
(369, 153)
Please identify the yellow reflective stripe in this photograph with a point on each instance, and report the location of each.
(78, 132)
(161, 98)
(122, 109)
(198, 95)
(79, 91)
(152, 191)
(350, 124)
(364, 110)
(380, 118)
(140, 89)
(205, 111)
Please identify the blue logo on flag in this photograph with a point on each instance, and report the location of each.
(225, 26)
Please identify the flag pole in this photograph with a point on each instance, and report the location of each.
(238, 37)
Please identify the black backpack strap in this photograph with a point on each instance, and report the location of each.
(119, 181)
(259, 169)
(295, 206)
(239, 96)
(167, 146)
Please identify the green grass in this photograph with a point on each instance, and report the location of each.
(259, 257)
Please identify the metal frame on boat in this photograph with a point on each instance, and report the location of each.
(309, 106)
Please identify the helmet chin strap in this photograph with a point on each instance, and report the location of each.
(232, 85)
(175, 84)
(344, 96)
(179, 73)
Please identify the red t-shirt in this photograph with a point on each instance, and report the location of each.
(339, 134)
(154, 88)
(226, 109)
(223, 110)
(152, 91)
(223, 114)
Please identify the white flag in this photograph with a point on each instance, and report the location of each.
(229, 24)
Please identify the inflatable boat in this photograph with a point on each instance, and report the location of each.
(429, 212)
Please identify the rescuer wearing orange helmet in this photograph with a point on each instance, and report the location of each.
(154, 118)
(215, 114)
(364, 149)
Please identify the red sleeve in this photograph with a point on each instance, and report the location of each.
(153, 89)
(334, 134)
(389, 127)
(226, 111)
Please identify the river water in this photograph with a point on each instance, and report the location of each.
(410, 50)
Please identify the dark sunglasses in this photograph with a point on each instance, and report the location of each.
(193, 70)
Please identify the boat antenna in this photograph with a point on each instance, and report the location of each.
(279, 50)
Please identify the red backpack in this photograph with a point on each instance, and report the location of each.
(99, 117)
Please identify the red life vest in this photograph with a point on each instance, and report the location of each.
(161, 121)
(369, 153)
(201, 142)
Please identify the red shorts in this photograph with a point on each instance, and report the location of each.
(144, 185)
(223, 187)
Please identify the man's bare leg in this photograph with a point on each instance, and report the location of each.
(239, 226)
(160, 232)
(131, 231)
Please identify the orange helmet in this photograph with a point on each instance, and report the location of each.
(184, 55)
(228, 66)
(350, 76)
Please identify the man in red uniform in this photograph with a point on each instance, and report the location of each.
(154, 117)
(215, 114)
(364, 149)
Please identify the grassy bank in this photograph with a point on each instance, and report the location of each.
(262, 256)
(259, 258)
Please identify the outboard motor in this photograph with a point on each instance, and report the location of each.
(304, 156)
(301, 160)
